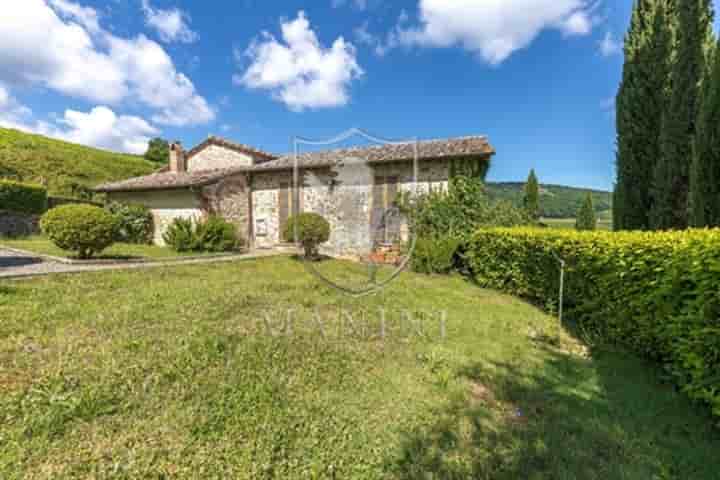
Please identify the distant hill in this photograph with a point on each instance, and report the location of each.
(66, 168)
(556, 201)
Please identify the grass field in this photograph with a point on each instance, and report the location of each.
(117, 251)
(64, 166)
(602, 223)
(172, 373)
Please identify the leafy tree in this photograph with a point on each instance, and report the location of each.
(459, 210)
(640, 104)
(158, 151)
(672, 173)
(531, 200)
(586, 219)
(705, 168)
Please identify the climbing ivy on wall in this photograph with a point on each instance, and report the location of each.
(475, 167)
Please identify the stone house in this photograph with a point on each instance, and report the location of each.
(255, 189)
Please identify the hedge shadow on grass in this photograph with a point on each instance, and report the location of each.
(608, 417)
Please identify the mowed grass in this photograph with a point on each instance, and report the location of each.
(117, 251)
(173, 373)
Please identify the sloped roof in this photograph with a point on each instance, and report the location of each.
(427, 150)
(238, 147)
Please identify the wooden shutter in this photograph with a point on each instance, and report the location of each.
(283, 207)
(392, 222)
(378, 207)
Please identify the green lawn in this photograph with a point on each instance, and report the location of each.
(170, 373)
(117, 251)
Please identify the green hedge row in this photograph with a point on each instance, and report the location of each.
(658, 292)
(23, 197)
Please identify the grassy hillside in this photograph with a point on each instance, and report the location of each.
(556, 201)
(66, 168)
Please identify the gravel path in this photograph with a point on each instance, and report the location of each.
(16, 264)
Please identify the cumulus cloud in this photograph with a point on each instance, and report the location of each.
(493, 29)
(171, 25)
(100, 127)
(609, 46)
(82, 60)
(298, 70)
(12, 113)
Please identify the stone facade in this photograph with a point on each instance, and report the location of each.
(230, 199)
(343, 197)
(215, 156)
(13, 224)
(353, 188)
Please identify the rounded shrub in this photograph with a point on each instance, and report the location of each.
(84, 229)
(134, 223)
(213, 234)
(180, 235)
(309, 229)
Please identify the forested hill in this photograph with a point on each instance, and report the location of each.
(65, 167)
(556, 201)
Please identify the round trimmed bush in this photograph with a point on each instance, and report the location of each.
(84, 229)
(311, 229)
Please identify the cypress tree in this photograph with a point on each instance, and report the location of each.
(671, 178)
(705, 169)
(640, 104)
(586, 219)
(531, 200)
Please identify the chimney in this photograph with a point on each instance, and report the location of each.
(177, 158)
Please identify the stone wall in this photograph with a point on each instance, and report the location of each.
(165, 206)
(13, 224)
(343, 197)
(214, 157)
(266, 207)
(230, 199)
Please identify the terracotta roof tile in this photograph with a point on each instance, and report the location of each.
(238, 147)
(427, 150)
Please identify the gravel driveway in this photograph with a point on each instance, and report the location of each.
(15, 264)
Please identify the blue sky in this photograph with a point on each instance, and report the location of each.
(537, 76)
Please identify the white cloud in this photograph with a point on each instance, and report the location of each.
(494, 29)
(298, 70)
(86, 16)
(100, 127)
(81, 59)
(12, 113)
(171, 25)
(609, 46)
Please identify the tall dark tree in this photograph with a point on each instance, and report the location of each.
(640, 104)
(586, 219)
(705, 168)
(531, 199)
(671, 179)
(158, 151)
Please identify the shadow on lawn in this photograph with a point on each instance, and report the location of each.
(575, 418)
(13, 262)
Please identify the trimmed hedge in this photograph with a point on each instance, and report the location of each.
(23, 197)
(656, 292)
(84, 229)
